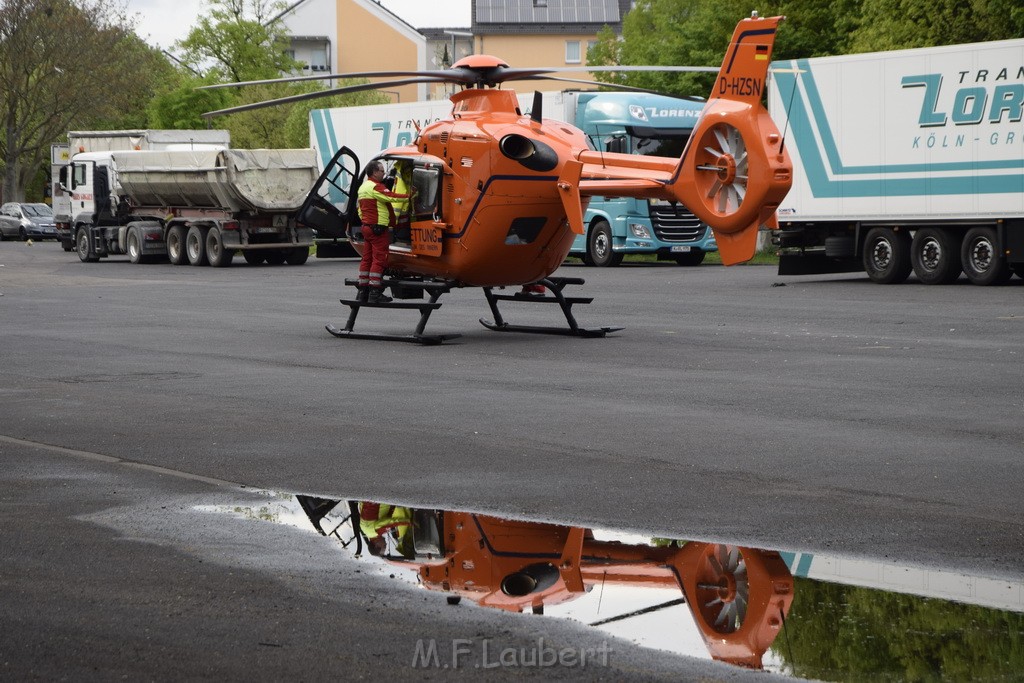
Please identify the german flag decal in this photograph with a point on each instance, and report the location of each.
(762, 53)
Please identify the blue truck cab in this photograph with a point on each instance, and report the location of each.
(647, 124)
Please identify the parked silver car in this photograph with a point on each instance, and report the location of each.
(27, 221)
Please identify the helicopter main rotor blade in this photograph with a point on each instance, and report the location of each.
(320, 93)
(584, 81)
(625, 68)
(465, 75)
(454, 75)
(615, 86)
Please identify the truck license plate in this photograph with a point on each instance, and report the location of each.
(680, 249)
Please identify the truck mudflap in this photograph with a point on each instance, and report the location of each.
(1013, 242)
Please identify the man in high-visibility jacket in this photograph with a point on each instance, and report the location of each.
(379, 519)
(377, 215)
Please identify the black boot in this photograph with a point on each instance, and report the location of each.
(377, 296)
(362, 293)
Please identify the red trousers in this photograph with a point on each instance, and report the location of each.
(375, 257)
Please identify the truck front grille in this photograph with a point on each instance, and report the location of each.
(675, 223)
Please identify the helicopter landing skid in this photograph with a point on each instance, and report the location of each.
(555, 286)
(425, 308)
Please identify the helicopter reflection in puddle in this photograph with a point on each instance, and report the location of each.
(739, 597)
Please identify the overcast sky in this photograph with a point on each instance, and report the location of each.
(161, 22)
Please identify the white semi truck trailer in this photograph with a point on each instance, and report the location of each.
(905, 161)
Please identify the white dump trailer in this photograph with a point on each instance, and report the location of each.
(194, 206)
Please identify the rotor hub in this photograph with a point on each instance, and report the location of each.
(726, 168)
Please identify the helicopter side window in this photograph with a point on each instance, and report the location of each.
(426, 181)
(524, 230)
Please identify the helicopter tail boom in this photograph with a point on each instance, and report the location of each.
(734, 170)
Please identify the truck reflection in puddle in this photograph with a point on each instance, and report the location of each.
(738, 597)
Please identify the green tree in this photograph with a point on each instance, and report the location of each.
(898, 24)
(849, 633)
(697, 32)
(239, 40)
(181, 104)
(296, 127)
(65, 65)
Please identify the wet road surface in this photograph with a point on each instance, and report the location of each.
(826, 416)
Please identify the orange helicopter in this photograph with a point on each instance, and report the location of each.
(500, 196)
(738, 597)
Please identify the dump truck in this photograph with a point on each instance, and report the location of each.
(904, 161)
(80, 141)
(195, 206)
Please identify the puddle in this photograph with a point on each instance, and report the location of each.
(806, 615)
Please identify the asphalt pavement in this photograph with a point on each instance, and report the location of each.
(811, 414)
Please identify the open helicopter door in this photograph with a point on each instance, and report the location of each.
(330, 205)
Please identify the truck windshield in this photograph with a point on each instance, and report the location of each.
(659, 144)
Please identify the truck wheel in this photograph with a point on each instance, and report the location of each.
(216, 254)
(983, 264)
(935, 255)
(887, 256)
(693, 258)
(275, 257)
(84, 246)
(254, 257)
(195, 246)
(134, 246)
(599, 246)
(176, 245)
(297, 256)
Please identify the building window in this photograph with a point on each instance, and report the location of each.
(572, 52)
(318, 60)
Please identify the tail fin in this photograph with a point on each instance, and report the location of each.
(735, 171)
